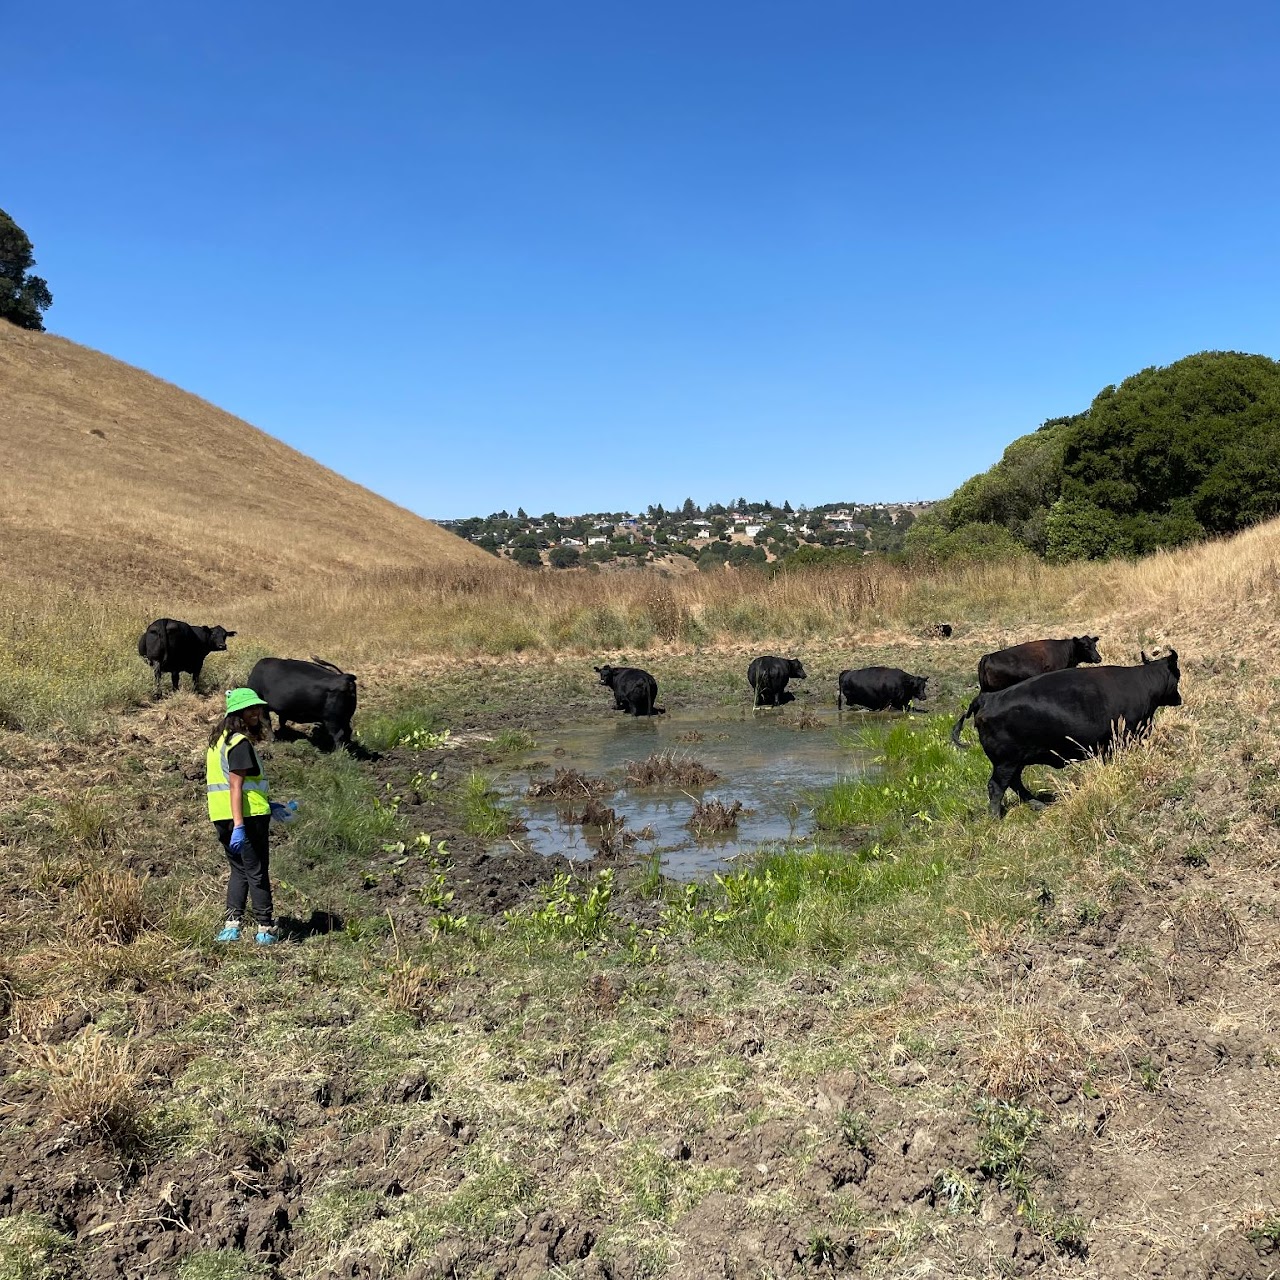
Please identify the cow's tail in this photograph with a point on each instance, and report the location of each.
(959, 724)
(320, 662)
(839, 698)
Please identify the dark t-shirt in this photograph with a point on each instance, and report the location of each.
(242, 758)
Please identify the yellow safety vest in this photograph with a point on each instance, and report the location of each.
(218, 784)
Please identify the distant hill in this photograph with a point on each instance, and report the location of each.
(1170, 456)
(114, 478)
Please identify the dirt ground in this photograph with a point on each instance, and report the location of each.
(1090, 1091)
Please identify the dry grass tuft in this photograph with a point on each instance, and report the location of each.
(108, 906)
(712, 817)
(667, 769)
(567, 784)
(1208, 923)
(95, 1085)
(8, 990)
(1026, 1049)
(411, 989)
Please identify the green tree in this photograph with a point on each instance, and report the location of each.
(1079, 530)
(527, 556)
(24, 298)
(689, 511)
(565, 557)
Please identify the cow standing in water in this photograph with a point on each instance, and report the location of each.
(1007, 667)
(174, 647)
(634, 691)
(1067, 715)
(881, 689)
(768, 676)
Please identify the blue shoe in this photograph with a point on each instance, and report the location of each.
(231, 933)
(268, 935)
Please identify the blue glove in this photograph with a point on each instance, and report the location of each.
(237, 839)
(284, 812)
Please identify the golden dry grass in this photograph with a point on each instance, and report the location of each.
(94, 1085)
(116, 479)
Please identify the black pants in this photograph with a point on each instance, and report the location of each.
(250, 868)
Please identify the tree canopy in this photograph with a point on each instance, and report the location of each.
(24, 298)
(1169, 456)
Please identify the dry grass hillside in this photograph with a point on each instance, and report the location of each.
(118, 480)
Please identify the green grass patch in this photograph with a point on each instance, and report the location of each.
(919, 778)
(342, 822)
(411, 726)
(30, 1246)
(484, 813)
(511, 742)
(221, 1264)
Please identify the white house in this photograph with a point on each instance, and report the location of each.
(596, 542)
(752, 529)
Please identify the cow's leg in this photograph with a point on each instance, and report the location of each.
(1002, 776)
(155, 671)
(173, 675)
(1037, 798)
(195, 678)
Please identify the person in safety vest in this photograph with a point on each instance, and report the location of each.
(240, 809)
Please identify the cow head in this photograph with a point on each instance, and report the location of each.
(1086, 649)
(1170, 697)
(216, 638)
(795, 669)
(919, 688)
(606, 674)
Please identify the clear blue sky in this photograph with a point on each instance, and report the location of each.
(575, 256)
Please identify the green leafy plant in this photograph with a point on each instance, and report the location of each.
(566, 913)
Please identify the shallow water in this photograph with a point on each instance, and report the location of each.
(765, 760)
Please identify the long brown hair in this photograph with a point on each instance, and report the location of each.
(233, 723)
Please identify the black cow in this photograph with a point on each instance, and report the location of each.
(1007, 667)
(768, 676)
(314, 692)
(634, 691)
(881, 689)
(175, 647)
(1066, 715)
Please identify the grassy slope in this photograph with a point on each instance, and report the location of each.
(116, 480)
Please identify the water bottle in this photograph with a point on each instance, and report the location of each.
(284, 813)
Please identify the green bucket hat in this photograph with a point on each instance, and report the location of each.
(239, 699)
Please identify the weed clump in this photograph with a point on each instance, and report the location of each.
(713, 817)
(567, 912)
(667, 769)
(594, 814)
(567, 784)
(94, 1085)
(410, 989)
(108, 906)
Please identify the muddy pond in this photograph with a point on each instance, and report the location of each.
(771, 763)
